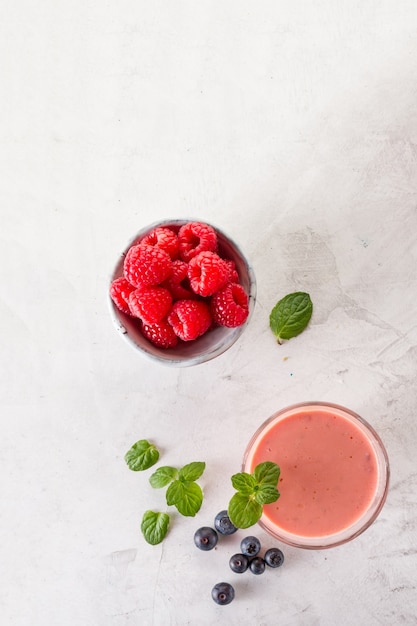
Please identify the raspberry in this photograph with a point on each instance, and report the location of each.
(190, 319)
(229, 306)
(178, 283)
(151, 304)
(160, 334)
(195, 237)
(147, 265)
(208, 273)
(120, 290)
(233, 275)
(164, 238)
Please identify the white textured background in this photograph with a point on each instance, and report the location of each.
(292, 125)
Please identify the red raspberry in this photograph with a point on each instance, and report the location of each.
(120, 290)
(190, 319)
(178, 283)
(208, 273)
(164, 238)
(151, 304)
(147, 265)
(230, 306)
(161, 334)
(195, 237)
(233, 276)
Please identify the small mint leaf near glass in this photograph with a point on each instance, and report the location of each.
(154, 526)
(266, 473)
(267, 494)
(290, 315)
(163, 476)
(244, 510)
(141, 456)
(244, 483)
(252, 492)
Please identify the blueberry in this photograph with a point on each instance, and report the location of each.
(205, 538)
(274, 557)
(223, 525)
(250, 546)
(257, 565)
(223, 593)
(239, 563)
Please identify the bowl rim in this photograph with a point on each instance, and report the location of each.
(381, 491)
(167, 357)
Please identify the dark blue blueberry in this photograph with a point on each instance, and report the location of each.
(239, 563)
(223, 525)
(223, 593)
(274, 557)
(205, 538)
(250, 546)
(257, 565)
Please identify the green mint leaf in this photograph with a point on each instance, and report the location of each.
(266, 473)
(267, 494)
(243, 482)
(154, 526)
(174, 492)
(186, 496)
(244, 510)
(290, 315)
(141, 455)
(163, 476)
(192, 471)
(253, 491)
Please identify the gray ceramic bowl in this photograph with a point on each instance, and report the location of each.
(212, 343)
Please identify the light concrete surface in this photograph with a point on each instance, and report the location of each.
(292, 126)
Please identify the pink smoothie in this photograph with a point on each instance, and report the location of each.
(329, 471)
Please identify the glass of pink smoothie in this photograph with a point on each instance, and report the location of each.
(334, 474)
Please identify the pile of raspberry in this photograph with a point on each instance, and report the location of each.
(178, 286)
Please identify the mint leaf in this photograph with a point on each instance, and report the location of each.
(163, 476)
(192, 471)
(243, 510)
(186, 496)
(266, 473)
(253, 491)
(184, 493)
(141, 456)
(290, 315)
(267, 494)
(154, 526)
(243, 482)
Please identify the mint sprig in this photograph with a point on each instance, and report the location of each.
(183, 492)
(252, 492)
(290, 315)
(141, 456)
